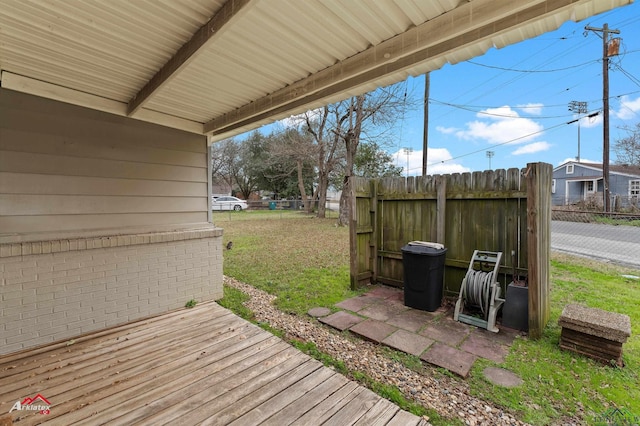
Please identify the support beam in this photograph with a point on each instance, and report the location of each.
(229, 12)
(466, 25)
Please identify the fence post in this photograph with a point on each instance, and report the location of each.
(538, 180)
(373, 238)
(441, 204)
(353, 235)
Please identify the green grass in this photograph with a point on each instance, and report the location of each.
(252, 215)
(233, 300)
(304, 261)
(560, 383)
(613, 221)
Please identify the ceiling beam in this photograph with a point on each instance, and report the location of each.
(229, 12)
(467, 24)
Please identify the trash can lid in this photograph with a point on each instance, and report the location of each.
(424, 248)
(427, 244)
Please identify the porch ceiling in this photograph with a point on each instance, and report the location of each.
(224, 67)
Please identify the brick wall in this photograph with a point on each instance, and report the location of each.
(55, 290)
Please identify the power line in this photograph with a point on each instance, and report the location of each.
(533, 71)
(628, 74)
(478, 109)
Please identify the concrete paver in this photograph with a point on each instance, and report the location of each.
(373, 330)
(356, 304)
(341, 320)
(505, 336)
(385, 292)
(433, 336)
(382, 311)
(410, 343)
(412, 320)
(484, 347)
(319, 312)
(447, 331)
(445, 356)
(501, 377)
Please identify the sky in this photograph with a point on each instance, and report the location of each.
(510, 106)
(514, 101)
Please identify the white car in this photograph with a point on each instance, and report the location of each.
(228, 203)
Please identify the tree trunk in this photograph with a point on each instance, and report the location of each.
(345, 199)
(345, 203)
(351, 140)
(303, 194)
(323, 184)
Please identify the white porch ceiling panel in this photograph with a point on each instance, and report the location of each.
(222, 67)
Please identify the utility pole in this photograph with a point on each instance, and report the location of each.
(605, 107)
(425, 131)
(578, 108)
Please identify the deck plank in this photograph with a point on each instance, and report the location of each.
(354, 410)
(284, 398)
(331, 405)
(403, 418)
(247, 397)
(306, 402)
(192, 366)
(171, 380)
(174, 393)
(379, 415)
(93, 362)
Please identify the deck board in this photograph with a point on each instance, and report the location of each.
(192, 366)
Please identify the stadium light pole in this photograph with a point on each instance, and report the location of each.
(490, 155)
(578, 108)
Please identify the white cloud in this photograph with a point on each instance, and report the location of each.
(446, 130)
(438, 162)
(532, 148)
(629, 108)
(501, 125)
(531, 108)
(298, 119)
(588, 122)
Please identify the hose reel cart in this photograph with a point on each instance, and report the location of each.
(480, 288)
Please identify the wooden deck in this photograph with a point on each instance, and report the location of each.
(198, 366)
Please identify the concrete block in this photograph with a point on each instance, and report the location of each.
(596, 322)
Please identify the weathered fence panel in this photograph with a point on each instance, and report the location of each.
(501, 210)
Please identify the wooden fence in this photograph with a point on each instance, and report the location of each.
(501, 210)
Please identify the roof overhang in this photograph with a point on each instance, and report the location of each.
(221, 68)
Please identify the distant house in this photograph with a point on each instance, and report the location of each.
(575, 182)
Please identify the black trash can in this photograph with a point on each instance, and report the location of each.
(423, 264)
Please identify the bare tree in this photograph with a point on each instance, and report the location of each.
(223, 156)
(294, 153)
(627, 149)
(319, 123)
(364, 116)
(240, 164)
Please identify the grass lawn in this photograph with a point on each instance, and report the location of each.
(304, 261)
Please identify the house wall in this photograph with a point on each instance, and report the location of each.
(64, 167)
(618, 183)
(103, 220)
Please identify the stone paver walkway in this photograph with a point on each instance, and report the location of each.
(381, 316)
